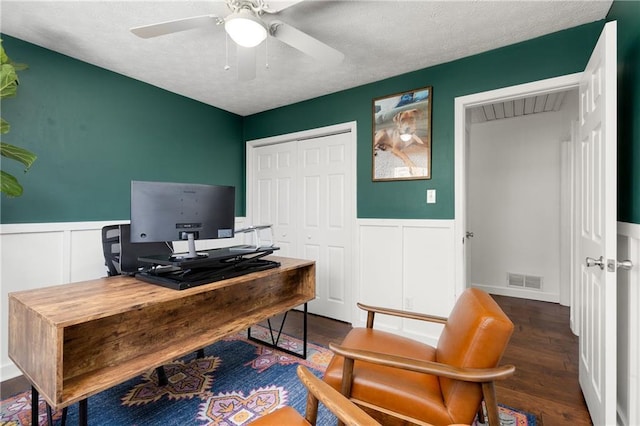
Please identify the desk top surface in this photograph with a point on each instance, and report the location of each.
(67, 304)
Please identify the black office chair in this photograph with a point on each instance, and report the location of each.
(121, 255)
(111, 249)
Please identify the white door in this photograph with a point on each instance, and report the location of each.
(275, 192)
(597, 229)
(325, 225)
(305, 189)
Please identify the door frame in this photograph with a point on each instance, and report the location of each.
(347, 127)
(461, 123)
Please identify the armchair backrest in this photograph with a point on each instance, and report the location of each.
(475, 336)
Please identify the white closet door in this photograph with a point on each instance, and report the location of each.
(325, 220)
(305, 189)
(275, 194)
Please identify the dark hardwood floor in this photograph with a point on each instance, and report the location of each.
(543, 349)
(545, 353)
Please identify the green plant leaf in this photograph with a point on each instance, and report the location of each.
(8, 81)
(19, 154)
(10, 185)
(8, 88)
(4, 59)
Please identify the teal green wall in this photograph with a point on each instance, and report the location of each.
(549, 56)
(627, 13)
(94, 131)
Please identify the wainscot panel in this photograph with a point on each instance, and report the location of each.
(628, 346)
(35, 255)
(406, 264)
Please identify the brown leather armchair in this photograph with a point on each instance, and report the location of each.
(318, 390)
(400, 379)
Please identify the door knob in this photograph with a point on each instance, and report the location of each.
(590, 261)
(613, 265)
(469, 234)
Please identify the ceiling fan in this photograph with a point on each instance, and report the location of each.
(247, 29)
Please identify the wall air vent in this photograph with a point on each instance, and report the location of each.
(524, 281)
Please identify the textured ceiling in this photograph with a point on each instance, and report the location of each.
(379, 39)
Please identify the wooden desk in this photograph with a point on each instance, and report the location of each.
(75, 340)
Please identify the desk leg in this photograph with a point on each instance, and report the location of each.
(162, 376)
(274, 340)
(49, 415)
(304, 334)
(83, 412)
(35, 397)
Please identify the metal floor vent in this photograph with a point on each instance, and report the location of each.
(524, 281)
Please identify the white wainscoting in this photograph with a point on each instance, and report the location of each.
(406, 264)
(39, 255)
(403, 264)
(628, 378)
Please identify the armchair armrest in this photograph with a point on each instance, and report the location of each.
(338, 404)
(371, 310)
(478, 375)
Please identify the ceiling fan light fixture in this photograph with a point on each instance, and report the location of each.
(245, 28)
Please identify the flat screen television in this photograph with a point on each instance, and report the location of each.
(163, 211)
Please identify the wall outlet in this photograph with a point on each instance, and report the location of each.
(408, 303)
(431, 196)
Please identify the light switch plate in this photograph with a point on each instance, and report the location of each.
(431, 196)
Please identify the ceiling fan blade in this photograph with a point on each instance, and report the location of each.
(246, 63)
(275, 6)
(162, 28)
(305, 43)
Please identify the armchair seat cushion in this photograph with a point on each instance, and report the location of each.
(282, 416)
(404, 392)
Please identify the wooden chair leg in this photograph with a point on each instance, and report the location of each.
(491, 403)
(347, 377)
(482, 418)
(347, 380)
(311, 412)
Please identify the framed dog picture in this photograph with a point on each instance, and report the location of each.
(402, 136)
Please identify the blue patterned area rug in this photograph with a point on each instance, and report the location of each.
(237, 381)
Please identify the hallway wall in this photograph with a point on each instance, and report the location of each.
(514, 200)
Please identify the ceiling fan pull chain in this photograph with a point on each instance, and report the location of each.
(266, 54)
(226, 52)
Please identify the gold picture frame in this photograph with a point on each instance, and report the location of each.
(402, 135)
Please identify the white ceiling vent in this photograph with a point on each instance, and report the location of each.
(518, 107)
(524, 281)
